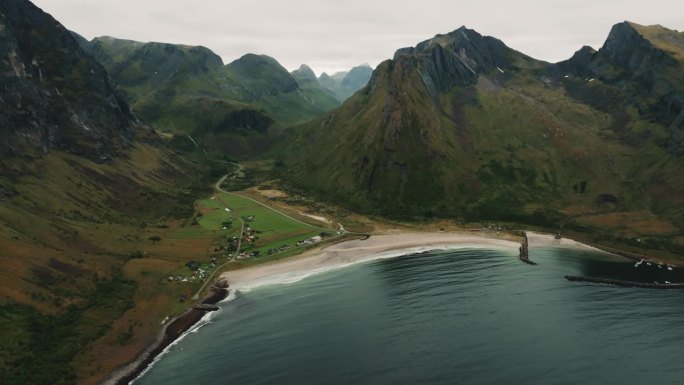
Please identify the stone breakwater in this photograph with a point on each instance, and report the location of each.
(525, 250)
(615, 282)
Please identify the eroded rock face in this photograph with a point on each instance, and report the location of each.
(455, 59)
(632, 60)
(54, 96)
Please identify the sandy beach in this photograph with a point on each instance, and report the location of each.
(383, 246)
(546, 240)
(355, 251)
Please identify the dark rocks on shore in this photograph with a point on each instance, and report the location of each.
(176, 328)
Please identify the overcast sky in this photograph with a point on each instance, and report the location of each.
(333, 35)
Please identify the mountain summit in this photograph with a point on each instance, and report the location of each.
(463, 126)
(345, 84)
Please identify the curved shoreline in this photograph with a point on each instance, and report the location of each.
(174, 329)
(351, 252)
(337, 255)
(321, 260)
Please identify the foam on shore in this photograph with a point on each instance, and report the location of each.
(349, 253)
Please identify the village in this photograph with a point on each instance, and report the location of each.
(272, 237)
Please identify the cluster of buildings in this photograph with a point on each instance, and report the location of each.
(198, 272)
(310, 241)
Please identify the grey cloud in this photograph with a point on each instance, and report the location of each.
(331, 35)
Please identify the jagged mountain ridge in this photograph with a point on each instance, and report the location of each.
(637, 55)
(345, 84)
(463, 126)
(187, 90)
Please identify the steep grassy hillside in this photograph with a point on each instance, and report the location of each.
(463, 126)
(307, 80)
(83, 188)
(188, 91)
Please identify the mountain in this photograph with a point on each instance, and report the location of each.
(263, 81)
(463, 126)
(80, 180)
(345, 84)
(55, 99)
(307, 81)
(188, 90)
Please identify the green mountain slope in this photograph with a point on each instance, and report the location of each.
(80, 179)
(463, 126)
(188, 90)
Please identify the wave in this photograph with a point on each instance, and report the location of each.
(299, 275)
(205, 320)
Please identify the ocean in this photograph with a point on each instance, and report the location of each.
(462, 316)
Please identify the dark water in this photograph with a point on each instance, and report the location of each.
(457, 317)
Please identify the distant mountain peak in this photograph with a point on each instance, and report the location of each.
(344, 84)
(304, 67)
(252, 58)
(251, 62)
(266, 69)
(304, 72)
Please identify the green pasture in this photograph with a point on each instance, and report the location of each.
(273, 229)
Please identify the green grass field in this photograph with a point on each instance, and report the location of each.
(273, 229)
(210, 222)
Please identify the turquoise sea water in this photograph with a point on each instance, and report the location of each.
(467, 316)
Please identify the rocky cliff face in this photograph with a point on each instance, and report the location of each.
(637, 63)
(54, 95)
(457, 59)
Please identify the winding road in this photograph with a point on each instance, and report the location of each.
(218, 188)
